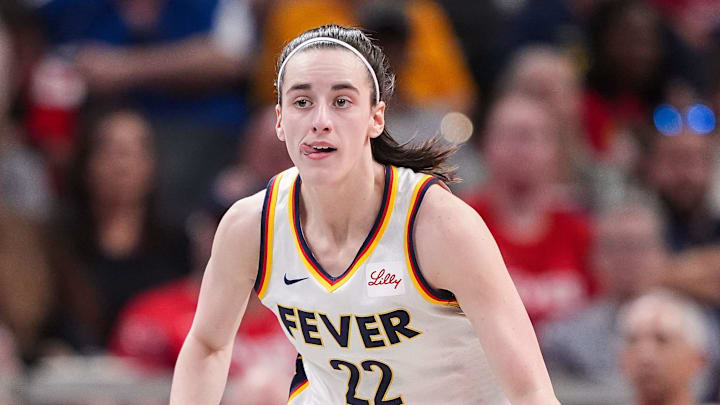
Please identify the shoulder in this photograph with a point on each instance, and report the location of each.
(449, 237)
(443, 215)
(243, 218)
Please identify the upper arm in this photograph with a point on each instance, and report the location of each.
(230, 274)
(456, 252)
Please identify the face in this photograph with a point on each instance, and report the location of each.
(656, 355)
(326, 119)
(521, 143)
(638, 59)
(629, 253)
(121, 167)
(681, 169)
(551, 79)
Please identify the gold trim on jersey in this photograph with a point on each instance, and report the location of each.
(365, 251)
(298, 390)
(269, 223)
(422, 286)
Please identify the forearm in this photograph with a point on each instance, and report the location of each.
(200, 374)
(195, 60)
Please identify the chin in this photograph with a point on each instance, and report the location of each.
(320, 173)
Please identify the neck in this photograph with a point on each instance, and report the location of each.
(522, 209)
(110, 212)
(343, 210)
(119, 229)
(514, 198)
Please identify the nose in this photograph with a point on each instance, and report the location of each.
(321, 120)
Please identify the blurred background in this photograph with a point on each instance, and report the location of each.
(589, 146)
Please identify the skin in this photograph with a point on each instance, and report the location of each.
(124, 155)
(657, 357)
(340, 197)
(628, 252)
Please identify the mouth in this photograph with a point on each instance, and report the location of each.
(317, 150)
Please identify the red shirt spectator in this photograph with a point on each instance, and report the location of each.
(153, 327)
(550, 271)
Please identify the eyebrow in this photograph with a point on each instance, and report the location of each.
(299, 86)
(335, 87)
(345, 86)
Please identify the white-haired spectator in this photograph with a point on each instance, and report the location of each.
(664, 347)
(628, 257)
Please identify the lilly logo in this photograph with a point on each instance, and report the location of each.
(385, 279)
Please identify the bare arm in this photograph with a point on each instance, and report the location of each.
(202, 366)
(196, 61)
(457, 252)
(695, 272)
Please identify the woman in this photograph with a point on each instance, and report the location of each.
(378, 331)
(111, 242)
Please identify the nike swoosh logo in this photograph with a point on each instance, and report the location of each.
(288, 282)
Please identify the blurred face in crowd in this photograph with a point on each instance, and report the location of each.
(121, 167)
(628, 252)
(633, 45)
(261, 150)
(656, 353)
(680, 169)
(521, 145)
(549, 77)
(326, 103)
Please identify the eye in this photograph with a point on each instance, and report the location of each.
(302, 103)
(342, 102)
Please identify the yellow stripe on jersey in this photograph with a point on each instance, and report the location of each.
(367, 251)
(298, 390)
(268, 243)
(422, 287)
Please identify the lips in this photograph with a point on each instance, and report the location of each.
(317, 149)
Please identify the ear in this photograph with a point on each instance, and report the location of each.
(278, 123)
(377, 120)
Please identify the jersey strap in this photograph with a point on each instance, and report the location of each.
(441, 297)
(267, 223)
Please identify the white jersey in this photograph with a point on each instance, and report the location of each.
(378, 334)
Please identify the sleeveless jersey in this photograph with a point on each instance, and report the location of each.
(378, 334)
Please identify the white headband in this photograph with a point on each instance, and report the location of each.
(338, 42)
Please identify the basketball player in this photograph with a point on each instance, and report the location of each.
(391, 289)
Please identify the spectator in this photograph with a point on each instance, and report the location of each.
(543, 239)
(183, 62)
(663, 347)
(680, 170)
(114, 244)
(627, 79)
(547, 74)
(154, 324)
(629, 257)
(558, 23)
(436, 72)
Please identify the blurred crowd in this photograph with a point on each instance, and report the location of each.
(588, 145)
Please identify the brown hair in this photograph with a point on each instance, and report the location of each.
(429, 157)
